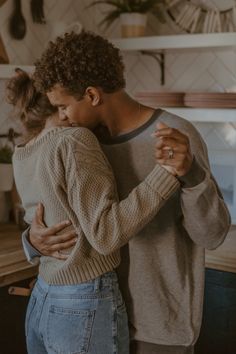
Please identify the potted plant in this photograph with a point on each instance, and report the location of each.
(6, 170)
(132, 14)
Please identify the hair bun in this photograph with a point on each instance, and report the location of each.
(20, 89)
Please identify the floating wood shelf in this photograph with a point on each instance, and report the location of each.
(156, 45)
(179, 41)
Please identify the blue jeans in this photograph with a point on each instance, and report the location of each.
(88, 318)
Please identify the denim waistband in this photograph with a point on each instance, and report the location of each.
(94, 285)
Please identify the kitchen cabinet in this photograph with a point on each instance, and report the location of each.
(218, 329)
(12, 320)
(14, 270)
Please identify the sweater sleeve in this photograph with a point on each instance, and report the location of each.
(31, 253)
(107, 222)
(206, 216)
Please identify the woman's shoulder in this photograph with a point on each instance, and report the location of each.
(79, 135)
(84, 145)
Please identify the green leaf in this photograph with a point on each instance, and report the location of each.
(109, 18)
(124, 6)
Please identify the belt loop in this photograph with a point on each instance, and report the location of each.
(97, 282)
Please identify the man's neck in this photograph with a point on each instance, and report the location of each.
(122, 114)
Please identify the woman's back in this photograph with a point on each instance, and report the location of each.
(56, 170)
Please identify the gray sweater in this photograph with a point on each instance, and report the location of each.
(162, 268)
(66, 170)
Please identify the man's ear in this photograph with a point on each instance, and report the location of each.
(94, 95)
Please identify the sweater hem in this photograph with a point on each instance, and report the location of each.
(79, 274)
(159, 341)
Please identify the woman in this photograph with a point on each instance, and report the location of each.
(76, 305)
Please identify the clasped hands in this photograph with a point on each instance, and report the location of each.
(173, 150)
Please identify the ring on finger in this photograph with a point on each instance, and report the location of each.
(170, 154)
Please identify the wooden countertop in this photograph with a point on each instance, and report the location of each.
(224, 257)
(13, 264)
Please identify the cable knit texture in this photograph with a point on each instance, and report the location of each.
(66, 170)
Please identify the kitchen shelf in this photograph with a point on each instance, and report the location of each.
(8, 70)
(214, 115)
(156, 45)
(179, 41)
(153, 45)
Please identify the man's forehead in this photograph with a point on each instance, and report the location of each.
(57, 94)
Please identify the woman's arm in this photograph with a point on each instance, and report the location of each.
(107, 222)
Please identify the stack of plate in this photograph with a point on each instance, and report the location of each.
(210, 100)
(161, 99)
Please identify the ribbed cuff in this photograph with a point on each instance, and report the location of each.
(194, 176)
(162, 182)
(31, 253)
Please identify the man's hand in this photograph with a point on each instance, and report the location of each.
(173, 150)
(46, 240)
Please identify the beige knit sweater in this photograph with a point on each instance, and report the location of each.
(66, 170)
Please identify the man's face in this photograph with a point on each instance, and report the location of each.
(79, 113)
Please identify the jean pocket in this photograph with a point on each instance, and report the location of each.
(29, 311)
(69, 330)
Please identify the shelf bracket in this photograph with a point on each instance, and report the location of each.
(160, 58)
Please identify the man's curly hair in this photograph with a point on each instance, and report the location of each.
(76, 61)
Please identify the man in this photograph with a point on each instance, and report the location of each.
(162, 274)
